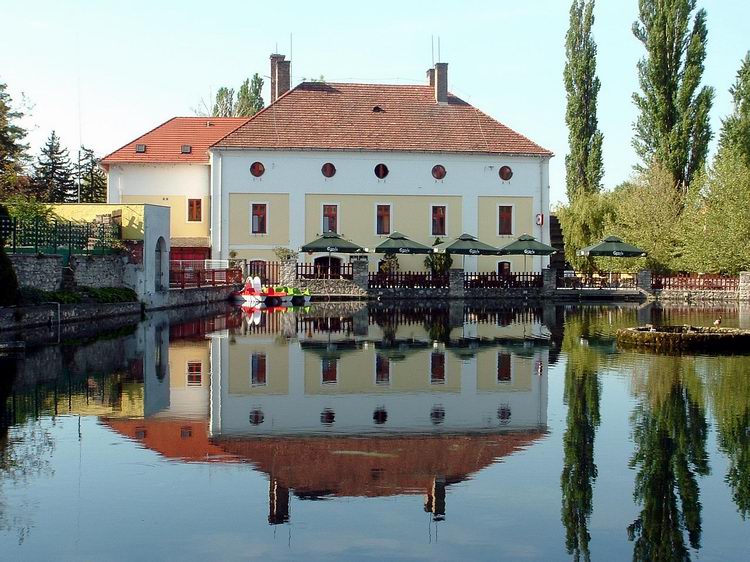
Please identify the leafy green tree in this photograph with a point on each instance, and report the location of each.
(582, 396)
(735, 131)
(646, 213)
(438, 263)
(12, 148)
(53, 173)
(92, 178)
(673, 122)
(249, 98)
(670, 433)
(224, 103)
(583, 165)
(8, 279)
(583, 220)
(28, 208)
(716, 219)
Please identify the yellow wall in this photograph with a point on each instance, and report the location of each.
(356, 374)
(277, 368)
(278, 219)
(179, 225)
(521, 368)
(523, 222)
(410, 215)
(179, 355)
(132, 216)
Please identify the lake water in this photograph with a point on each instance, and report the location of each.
(342, 432)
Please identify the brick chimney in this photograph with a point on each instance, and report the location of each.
(441, 82)
(431, 77)
(280, 76)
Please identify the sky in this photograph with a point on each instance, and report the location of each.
(104, 72)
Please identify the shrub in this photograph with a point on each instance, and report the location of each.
(284, 253)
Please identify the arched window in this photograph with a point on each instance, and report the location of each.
(503, 268)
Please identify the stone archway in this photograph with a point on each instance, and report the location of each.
(161, 265)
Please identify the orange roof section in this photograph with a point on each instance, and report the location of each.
(333, 116)
(164, 143)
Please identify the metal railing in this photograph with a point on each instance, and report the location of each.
(408, 280)
(695, 282)
(198, 264)
(58, 237)
(521, 280)
(183, 278)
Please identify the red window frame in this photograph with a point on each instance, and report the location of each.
(504, 220)
(438, 220)
(383, 220)
(258, 376)
(503, 367)
(437, 368)
(329, 371)
(195, 210)
(194, 373)
(382, 369)
(259, 210)
(331, 214)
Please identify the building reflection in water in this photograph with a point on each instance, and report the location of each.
(364, 404)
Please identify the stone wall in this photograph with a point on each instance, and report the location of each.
(672, 295)
(194, 296)
(98, 271)
(42, 315)
(332, 287)
(39, 271)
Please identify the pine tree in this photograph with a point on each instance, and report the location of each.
(672, 126)
(583, 165)
(53, 173)
(735, 132)
(12, 148)
(92, 178)
(249, 99)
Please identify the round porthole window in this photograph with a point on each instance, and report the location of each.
(437, 415)
(380, 416)
(438, 171)
(257, 169)
(257, 417)
(381, 171)
(328, 170)
(505, 173)
(327, 417)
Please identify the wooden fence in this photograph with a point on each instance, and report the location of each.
(317, 271)
(695, 282)
(181, 278)
(268, 271)
(575, 280)
(408, 280)
(502, 281)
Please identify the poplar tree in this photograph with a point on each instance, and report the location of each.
(91, 177)
(583, 165)
(53, 173)
(12, 148)
(735, 132)
(249, 99)
(672, 126)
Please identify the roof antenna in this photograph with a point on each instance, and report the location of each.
(291, 58)
(432, 48)
(439, 59)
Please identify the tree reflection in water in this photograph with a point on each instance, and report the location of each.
(669, 431)
(582, 396)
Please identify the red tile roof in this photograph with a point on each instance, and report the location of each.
(317, 115)
(163, 144)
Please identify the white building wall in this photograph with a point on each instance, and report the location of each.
(298, 173)
(190, 180)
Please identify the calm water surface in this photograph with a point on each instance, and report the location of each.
(347, 432)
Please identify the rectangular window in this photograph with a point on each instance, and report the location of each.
(258, 369)
(504, 220)
(437, 368)
(329, 371)
(383, 220)
(194, 373)
(382, 369)
(194, 210)
(259, 218)
(503, 367)
(330, 218)
(438, 220)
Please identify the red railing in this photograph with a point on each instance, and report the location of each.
(204, 277)
(317, 271)
(696, 282)
(502, 281)
(407, 280)
(267, 271)
(574, 280)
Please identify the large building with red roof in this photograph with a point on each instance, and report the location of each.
(363, 160)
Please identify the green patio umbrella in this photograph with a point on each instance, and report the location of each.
(331, 242)
(526, 246)
(468, 245)
(612, 246)
(398, 243)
